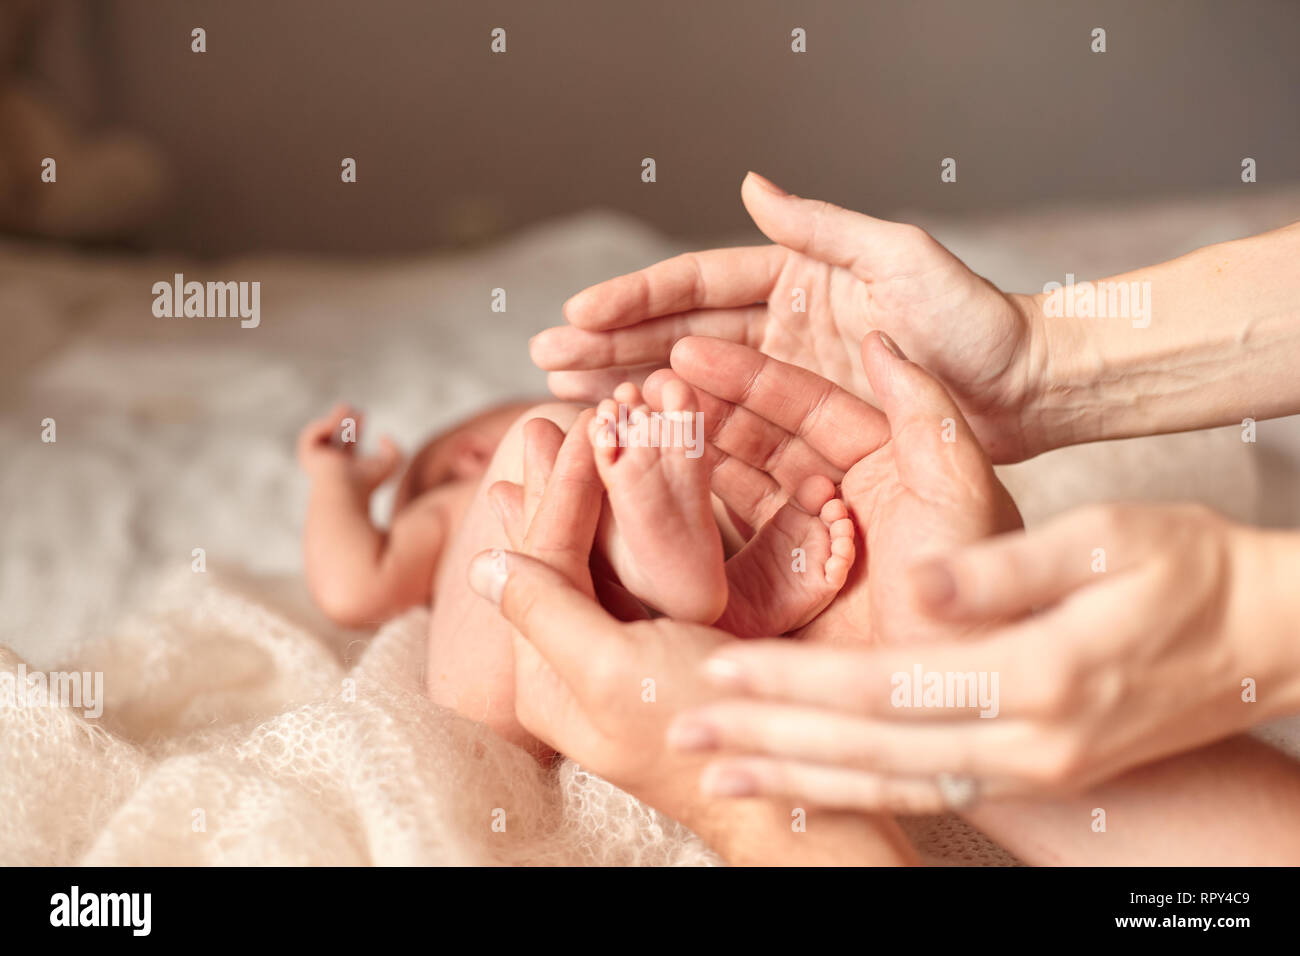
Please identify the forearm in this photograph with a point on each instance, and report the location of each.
(342, 551)
(1236, 802)
(359, 575)
(1208, 339)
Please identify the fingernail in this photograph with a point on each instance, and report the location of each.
(728, 783)
(934, 583)
(767, 184)
(725, 673)
(892, 346)
(691, 735)
(487, 575)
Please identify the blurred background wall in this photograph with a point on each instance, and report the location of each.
(455, 144)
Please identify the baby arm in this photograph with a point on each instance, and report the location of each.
(357, 574)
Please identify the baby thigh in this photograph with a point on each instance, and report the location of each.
(469, 664)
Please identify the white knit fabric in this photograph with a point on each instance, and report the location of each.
(231, 735)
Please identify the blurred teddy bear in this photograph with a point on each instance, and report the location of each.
(99, 186)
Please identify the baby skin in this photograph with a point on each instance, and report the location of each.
(358, 574)
(660, 530)
(660, 537)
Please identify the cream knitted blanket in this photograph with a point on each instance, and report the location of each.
(232, 735)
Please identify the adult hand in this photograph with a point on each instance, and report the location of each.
(603, 691)
(832, 277)
(914, 478)
(580, 672)
(1160, 626)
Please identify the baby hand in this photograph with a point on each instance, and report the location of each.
(328, 447)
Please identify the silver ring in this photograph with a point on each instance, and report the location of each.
(958, 793)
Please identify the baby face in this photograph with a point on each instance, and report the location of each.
(462, 453)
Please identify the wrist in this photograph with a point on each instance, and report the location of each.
(1264, 606)
(1196, 342)
(334, 480)
(1096, 377)
(1056, 405)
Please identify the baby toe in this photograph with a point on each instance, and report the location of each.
(813, 493)
(833, 511)
(602, 429)
(629, 395)
(837, 571)
(677, 396)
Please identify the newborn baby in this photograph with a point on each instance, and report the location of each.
(661, 534)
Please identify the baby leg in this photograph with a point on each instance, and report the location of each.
(469, 665)
(791, 569)
(659, 533)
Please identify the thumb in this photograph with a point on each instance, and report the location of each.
(934, 449)
(1013, 574)
(566, 626)
(829, 233)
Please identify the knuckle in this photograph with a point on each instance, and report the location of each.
(821, 210)
(775, 776)
(1108, 521)
(914, 235)
(603, 682)
(1058, 690)
(1099, 695)
(776, 454)
(1057, 762)
(863, 752)
(696, 285)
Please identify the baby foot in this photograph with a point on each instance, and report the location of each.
(659, 532)
(792, 568)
